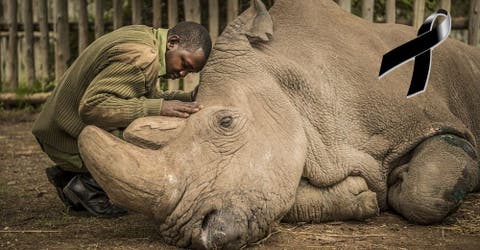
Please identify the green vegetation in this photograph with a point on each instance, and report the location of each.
(37, 87)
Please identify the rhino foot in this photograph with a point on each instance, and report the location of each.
(442, 170)
(347, 200)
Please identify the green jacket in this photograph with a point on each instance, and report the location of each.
(112, 83)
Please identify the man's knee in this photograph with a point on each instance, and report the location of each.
(66, 161)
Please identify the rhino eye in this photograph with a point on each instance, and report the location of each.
(226, 121)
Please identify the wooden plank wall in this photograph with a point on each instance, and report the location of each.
(29, 29)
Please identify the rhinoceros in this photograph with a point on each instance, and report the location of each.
(298, 127)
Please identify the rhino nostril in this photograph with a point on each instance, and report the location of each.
(222, 229)
(203, 240)
(207, 218)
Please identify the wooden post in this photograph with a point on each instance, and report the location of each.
(117, 14)
(213, 19)
(446, 5)
(82, 25)
(72, 10)
(44, 41)
(172, 13)
(418, 13)
(390, 14)
(99, 21)
(367, 10)
(346, 5)
(232, 10)
(172, 21)
(192, 13)
(20, 44)
(474, 22)
(12, 66)
(62, 51)
(137, 11)
(51, 9)
(192, 10)
(36, 43)
(157, 14)
(29, 42)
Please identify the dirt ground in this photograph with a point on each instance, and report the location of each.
(32, 217)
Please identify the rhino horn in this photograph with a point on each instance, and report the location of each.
(138, 179)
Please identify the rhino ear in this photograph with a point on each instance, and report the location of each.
(258, 24)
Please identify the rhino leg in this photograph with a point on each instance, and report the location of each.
(349, 199)
(441, 171)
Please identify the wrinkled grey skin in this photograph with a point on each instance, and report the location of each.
(296, 126)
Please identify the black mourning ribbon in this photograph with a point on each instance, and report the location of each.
(419, 49)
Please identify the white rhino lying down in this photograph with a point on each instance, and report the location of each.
(297, 127)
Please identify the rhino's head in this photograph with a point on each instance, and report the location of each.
(222, 176)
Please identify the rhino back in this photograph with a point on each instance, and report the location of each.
(339, 57)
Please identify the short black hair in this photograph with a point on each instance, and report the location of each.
(192, 36)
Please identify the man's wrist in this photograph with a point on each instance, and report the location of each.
(153, 107)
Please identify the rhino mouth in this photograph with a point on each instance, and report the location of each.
(227, 223)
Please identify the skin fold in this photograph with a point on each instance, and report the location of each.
(297, 126)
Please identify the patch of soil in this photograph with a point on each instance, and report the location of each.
(32, 217)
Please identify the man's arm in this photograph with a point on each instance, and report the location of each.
(115, 97)
(179, 95)
(176, 94)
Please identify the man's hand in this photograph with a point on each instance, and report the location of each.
(179, 109)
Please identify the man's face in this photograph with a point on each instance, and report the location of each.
(180, 61)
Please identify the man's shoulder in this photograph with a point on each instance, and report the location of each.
(136, 46)
(143, 56)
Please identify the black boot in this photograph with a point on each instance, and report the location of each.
(59, 178)
(84, 190)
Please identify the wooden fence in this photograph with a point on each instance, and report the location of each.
(46, 48)
(39, 39)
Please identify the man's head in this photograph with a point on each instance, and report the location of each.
(188, 48)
